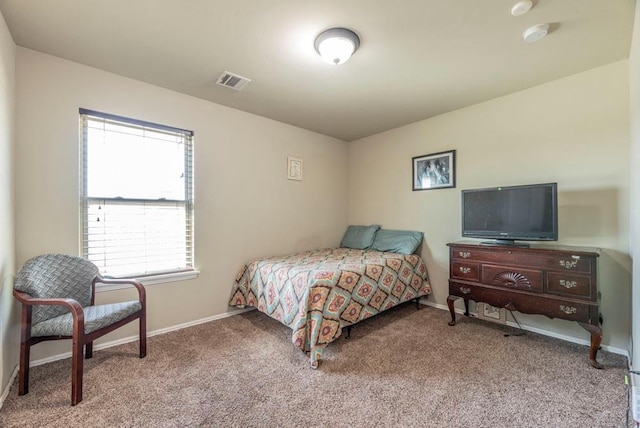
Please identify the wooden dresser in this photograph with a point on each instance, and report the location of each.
(559, 282)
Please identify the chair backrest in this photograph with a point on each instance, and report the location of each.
(56, 276)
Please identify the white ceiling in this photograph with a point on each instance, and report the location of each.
(417, 58)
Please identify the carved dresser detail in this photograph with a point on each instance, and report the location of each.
(559, 282)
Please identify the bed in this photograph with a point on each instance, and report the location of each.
(319, 293)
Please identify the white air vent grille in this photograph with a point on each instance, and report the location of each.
(233, 81)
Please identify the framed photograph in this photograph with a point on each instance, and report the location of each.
(434, 171)
(294, 168)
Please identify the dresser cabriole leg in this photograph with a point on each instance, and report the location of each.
(452, 310)
(596, 338)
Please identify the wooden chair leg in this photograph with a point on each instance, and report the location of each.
(23, 375)
(143, 336)
(25, 349)
(77, 362)
(88, 350)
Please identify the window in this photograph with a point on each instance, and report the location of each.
(137, 196)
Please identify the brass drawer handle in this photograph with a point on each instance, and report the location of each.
(568, 284)
(568, 264)
(465, 254)
(568, 309)
(465, 270)
(465, 290)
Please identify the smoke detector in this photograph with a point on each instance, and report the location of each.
(233, 81)
(535, 33)
(521, 7)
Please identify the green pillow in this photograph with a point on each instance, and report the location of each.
(397, 241)
(359, 237)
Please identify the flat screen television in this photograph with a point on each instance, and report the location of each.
(511, 213)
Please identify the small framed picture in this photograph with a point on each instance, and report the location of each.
(434, 171)
(294, 168)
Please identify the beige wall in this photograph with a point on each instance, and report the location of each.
(8, 308)
(634, 97)
(572, 131)
(244, 205)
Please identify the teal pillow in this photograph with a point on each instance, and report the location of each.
(359, 237)
(397, 241)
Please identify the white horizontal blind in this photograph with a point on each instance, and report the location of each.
(137, 191)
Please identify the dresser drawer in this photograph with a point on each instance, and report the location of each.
(528, 303)
(470, 254)
(554, 308)
(465, 270)
(512, 277)
(517, 257)
(573, 263)
(464, 290)
(569, 285)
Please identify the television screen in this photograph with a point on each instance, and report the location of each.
(511, 213)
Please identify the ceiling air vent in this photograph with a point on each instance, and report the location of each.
(232, 81)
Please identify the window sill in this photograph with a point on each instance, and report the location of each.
(153, 280)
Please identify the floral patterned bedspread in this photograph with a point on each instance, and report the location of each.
(317, 293)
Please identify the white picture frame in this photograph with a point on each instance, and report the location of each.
(294, 168)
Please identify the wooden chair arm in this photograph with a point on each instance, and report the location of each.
(112, 281)
(74, 307)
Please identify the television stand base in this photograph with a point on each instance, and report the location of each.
(505, 243)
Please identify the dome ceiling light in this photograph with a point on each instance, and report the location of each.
(336, 45)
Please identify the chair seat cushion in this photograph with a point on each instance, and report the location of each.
(95, 318)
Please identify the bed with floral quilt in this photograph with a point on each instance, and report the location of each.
(319, 293)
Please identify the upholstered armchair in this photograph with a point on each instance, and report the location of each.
(57, 295)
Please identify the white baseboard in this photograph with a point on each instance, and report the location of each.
(571, 339)
(633, 391)
(5, 393)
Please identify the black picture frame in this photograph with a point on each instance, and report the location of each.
(434, 171)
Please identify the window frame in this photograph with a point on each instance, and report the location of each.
(153, 277)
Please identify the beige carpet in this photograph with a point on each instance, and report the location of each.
(403, 368)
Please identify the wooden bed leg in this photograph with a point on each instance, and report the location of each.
(417, 299)
(348, 332)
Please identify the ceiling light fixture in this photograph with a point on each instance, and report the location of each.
(535, 33)
(336, 45)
